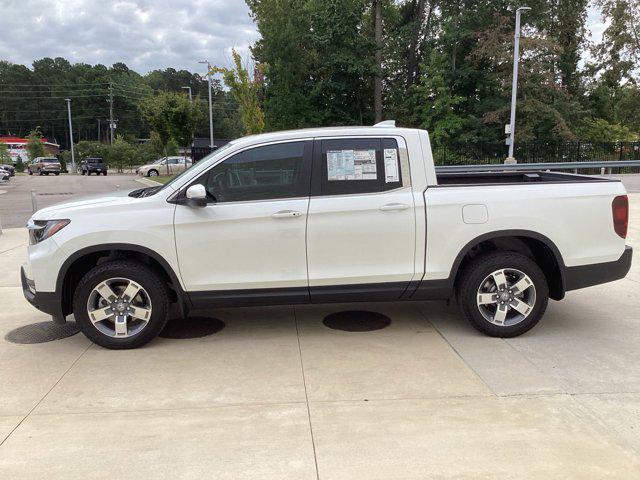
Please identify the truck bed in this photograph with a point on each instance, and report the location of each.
(499, 178)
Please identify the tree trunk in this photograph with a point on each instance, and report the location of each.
(377, 81)
(412, 57)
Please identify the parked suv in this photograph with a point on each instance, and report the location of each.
(92, 165)
(326, 215)
(165, 166)
(5, 175)
(44, 166)
(9, 168)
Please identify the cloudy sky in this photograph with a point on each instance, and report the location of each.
(145, 34)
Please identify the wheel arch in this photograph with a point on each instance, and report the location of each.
(532, 244)
(83, 260)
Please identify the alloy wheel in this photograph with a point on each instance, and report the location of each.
(506, 297)
(119, 307)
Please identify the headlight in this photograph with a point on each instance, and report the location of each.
(40, 230)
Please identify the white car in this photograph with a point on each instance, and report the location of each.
(325, 215)
(165, 166)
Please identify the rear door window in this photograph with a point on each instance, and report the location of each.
(356, 165)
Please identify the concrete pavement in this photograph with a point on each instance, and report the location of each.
(276, 394)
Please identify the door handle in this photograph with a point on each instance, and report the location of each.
(286, 214)
(392, 207)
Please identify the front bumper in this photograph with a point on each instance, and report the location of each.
(597, 273)
(47, 302)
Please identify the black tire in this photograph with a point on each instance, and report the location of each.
(40, 172)
(30, 172)
(46, 173)
(139, 273)
(477, 271)
(57, 173)
(155, 173)
(82, 172)
(104, 173)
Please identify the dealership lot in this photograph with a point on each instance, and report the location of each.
(15, 196)
(277, 394)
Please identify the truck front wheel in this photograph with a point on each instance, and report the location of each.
(503, 294)
(121, 304)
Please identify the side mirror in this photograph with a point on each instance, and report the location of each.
(197, 195)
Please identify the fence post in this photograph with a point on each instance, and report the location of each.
(34, 201)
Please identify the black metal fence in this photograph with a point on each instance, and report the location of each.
(535, 152)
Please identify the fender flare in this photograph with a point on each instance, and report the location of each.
(183, 297)
(510, 233)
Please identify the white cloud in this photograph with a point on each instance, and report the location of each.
(144, 34)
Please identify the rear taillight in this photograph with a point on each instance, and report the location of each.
(620, 211)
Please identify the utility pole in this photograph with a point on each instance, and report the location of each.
(210, 104)
(514, 86)
(189, 89)
(98, 130)
(73, 158)
(111, 123)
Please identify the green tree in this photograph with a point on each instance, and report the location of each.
(172, 117)
(5, 158)
(19, 164)
(35, 145)
(245, 90)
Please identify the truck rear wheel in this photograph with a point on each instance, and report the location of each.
(503, 294)
(121, 304)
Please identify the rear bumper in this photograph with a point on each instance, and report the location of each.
(47, 302)
(597, 273)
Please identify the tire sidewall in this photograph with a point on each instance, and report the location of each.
(137, 272)
(479, 269)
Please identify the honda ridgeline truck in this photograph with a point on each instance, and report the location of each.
(355, 214)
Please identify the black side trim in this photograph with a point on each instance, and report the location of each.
(183, 298)
(367, 292)
(47, 302)
(374, 292)
(250, 298)
(432, 290)
(597, 273)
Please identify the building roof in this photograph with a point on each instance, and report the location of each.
(10, 139)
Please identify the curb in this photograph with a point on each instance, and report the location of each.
(148, 182)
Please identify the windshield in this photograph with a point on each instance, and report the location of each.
(160, 160)
(94, 160)
(49, 160)
(219, 152)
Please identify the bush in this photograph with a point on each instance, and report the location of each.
(19, 164)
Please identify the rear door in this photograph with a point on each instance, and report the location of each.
(361, 225)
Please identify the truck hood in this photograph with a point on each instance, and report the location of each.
(59, 210)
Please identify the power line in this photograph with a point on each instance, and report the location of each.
(49, 84)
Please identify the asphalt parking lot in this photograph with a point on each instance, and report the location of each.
(277, 394)
(15, 196)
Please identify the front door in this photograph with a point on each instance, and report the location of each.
(250, 238)
(361, 235)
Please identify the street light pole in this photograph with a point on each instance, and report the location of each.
(210, 104)
(73, 158)
(514, 85)
(189, 89)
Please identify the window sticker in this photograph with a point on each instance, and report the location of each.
(391, 173)
(351, 165)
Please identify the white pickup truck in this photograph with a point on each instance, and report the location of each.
(325, 215)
